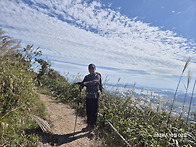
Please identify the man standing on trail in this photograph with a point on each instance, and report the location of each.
(93, 84)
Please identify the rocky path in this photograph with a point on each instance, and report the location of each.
(62, 119)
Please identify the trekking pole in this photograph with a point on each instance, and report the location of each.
(76, 116)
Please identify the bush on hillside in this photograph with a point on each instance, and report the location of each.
(18, 95)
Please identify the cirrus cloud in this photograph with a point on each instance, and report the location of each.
(76, 31)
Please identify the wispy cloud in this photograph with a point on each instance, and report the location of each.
(85, 32)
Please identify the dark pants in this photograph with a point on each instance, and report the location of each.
(92, 109)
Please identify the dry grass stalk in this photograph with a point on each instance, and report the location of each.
(8, 46)
(186, 87)
(159, 106)
(175, 95)
(186, 64)
(42, 123)
(191, 100)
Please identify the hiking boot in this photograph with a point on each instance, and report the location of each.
(88, 128)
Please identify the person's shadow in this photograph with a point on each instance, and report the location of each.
(56, 139)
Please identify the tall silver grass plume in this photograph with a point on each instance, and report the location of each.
(159, 100)
(142, 90)
(151, 92)
(117, 88)
(126, 85)
(191, 100)
(134, 85)
(175, 95)
(189, 78)
(106, 80)
(150, 104)
(8, 46)
(160, 106)
(186, 87)
(186, 64)
(119, 80)
(42, 123)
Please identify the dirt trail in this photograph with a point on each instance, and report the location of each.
(62, 119)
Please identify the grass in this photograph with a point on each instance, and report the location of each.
(18, 96)
(139, 124)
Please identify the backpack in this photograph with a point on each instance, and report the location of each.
(100, 85)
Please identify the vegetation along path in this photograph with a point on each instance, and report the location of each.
(61, 118)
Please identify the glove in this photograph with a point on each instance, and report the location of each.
(79, 83)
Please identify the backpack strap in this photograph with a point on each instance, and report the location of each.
(100, 85)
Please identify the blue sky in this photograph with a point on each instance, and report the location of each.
(176, 15)
(142, 41)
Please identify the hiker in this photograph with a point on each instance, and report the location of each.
(93, 84)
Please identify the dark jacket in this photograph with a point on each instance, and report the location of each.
(93, 83)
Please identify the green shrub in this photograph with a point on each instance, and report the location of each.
(18, 95)
(138, 125)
